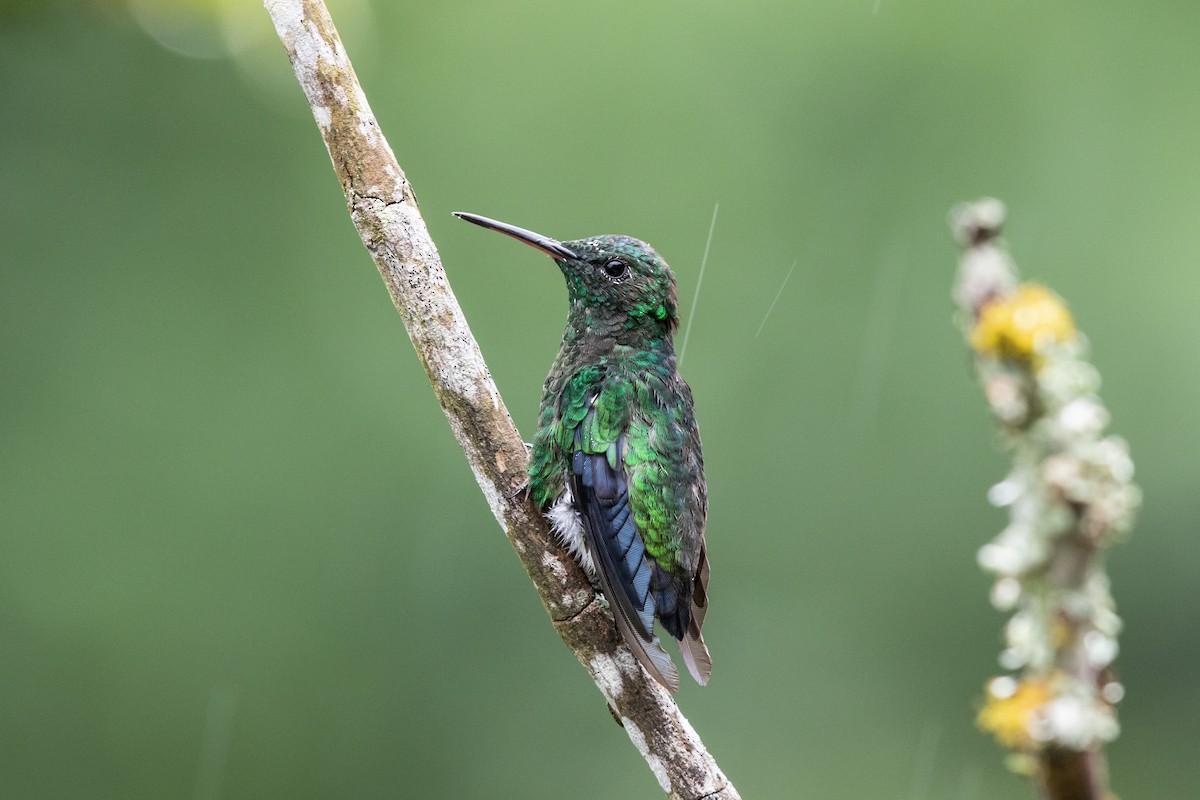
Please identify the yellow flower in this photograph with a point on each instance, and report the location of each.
(1019, 325)
(1009, 707)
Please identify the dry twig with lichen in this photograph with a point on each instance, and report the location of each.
(1070, 494)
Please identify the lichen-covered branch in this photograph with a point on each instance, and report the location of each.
(1070, 494)
(384, 210)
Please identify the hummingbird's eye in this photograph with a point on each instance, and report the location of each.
(616, 269)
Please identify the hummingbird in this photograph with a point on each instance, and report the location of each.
(615, 464)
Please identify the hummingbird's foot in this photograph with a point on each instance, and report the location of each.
(522, 489)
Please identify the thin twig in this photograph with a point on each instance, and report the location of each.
(1070, 495)
(384, 209)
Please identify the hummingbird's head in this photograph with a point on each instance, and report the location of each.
(617, 282)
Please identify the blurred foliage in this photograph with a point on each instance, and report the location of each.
(242, 556)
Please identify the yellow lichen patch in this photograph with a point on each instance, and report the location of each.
(1010, 705)
(1060, 633)
(1019, 325)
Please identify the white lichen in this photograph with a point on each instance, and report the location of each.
(655, 763)
(608, 674)
(1077, 720)
(554, 565)
(491, 492)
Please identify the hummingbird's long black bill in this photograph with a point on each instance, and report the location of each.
(550, 247)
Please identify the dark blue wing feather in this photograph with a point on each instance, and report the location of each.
(602, 494)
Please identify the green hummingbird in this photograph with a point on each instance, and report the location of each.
(616, 465)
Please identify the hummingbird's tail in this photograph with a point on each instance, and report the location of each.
(691, 646)
(648, 651)
(695, 655)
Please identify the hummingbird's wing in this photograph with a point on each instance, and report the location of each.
(660, 448)
(598, 436)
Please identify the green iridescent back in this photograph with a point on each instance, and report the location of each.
(632, 407)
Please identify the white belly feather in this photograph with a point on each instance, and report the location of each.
(565, 522)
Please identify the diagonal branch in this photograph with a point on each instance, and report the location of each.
(384, 209)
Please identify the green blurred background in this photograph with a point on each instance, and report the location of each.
(241, 555)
